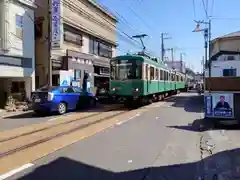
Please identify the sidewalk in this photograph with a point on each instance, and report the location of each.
(4, 113)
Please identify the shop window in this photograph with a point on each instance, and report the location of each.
(77, 74)
(152, 73)
(55, 79)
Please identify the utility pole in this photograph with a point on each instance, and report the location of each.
(181, 62)
(162, 44)
(49, 43)
(207, 38)
(203, 65)
(172, 55)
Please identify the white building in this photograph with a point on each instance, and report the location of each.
(17, 48)
(177, 65)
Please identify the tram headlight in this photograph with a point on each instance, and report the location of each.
(113, 89)
(136, 89)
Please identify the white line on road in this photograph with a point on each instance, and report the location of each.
(53, 119)
(15, 171)
(122, 122)
(129, 161)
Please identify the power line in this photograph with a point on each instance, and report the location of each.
(125, 21)
(136, 14)
(140, 18)
(194, 8)
(225, 18)
(205, 8)
(212, 7)
(123, 35)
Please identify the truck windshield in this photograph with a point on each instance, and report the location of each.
(125, 69)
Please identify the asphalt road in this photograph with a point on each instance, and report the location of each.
(28, 118)
(23, 119)
(154, 145)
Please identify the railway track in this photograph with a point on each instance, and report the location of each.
(14, 144)
(20, 142)
(56, 125)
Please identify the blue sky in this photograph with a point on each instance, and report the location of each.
(174, 17)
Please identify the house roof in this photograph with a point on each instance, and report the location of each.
(103, 9)
(234, 34)
(230, 35)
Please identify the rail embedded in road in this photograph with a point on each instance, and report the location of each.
(29, 148)
(40, 140)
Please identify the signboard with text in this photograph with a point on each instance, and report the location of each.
(56, 24)
(219, 105)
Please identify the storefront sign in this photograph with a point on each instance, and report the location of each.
(219, 105)
(56, 23)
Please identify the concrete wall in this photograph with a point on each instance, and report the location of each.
(222, 63)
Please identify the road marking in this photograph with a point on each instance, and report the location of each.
(122, 122)
(15, 171)
(53, 119)
(130, 161)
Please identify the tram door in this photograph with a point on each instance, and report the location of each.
(147, 76)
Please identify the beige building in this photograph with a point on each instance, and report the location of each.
(83, 39)
(229, 42)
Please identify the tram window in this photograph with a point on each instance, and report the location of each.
(161, 74)
(146, 72)
(166, 76)
(151, 73)
(157, 74)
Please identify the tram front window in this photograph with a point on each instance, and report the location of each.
(125, 69)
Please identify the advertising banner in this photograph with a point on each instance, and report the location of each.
(56, 24)
(219, 105)
(65, 78)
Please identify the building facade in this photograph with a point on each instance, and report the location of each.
(177, 65)
(83, 39)
(17, 52)
(229, 42)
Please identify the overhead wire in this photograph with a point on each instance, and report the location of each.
(194, 8)
(123, 35)
(205, 8)
(212, 8)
